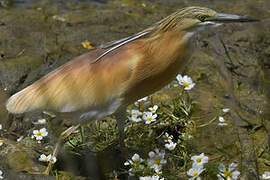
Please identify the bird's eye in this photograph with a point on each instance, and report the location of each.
(202, 17)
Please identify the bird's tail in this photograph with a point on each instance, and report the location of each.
(24, 101)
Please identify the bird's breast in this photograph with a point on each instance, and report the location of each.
(157, 68)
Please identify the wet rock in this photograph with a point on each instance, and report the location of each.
(20, 158)
(9, 174)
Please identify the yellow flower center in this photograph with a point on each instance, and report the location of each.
(136, 164)
(195, 174)
(157, 162)
(39, 133)
(168, 138)
(46, 159)
(227, 174)
(149, 119)
(199, 160)
(186, 84)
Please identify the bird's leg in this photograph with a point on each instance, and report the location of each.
(121, 118)
(62, 137)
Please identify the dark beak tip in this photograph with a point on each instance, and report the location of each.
(249, 19)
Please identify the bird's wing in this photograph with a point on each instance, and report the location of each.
(124, 40)
(77, 85)
(117, 44)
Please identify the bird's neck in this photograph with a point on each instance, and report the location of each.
(166, 53)
(170, 45)
(160, 58)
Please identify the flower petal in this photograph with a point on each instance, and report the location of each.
(151, 154)
(232, 166)
(235, 174)
(221, 167)
(135, 157)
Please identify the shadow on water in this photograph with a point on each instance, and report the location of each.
(87, 163)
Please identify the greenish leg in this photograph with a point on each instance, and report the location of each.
(62, 137)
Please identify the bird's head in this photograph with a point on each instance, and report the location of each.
(193, 19)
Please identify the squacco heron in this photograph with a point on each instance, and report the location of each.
(104, 81)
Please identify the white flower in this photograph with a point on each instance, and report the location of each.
(185, 81)
(266, 175)
(171, 145)
(1, 142)
(135, 162)
(194, 172)
(175, 83)
(49, 158)
(156, 159)
(59, 18)
(226, 110)
(40, 121)
(222, 121)
(134, 112)
(44, 158)
(20, 138)
(1, 174)
(158, 172)
(133, 115)
(1, 126)
(153, 109)
(135, 119)
(53, 159)
(151, 178)
(199, 160)
(149, 117)
(141, 100)
(229, 174)
(167, 137)
(39, 134)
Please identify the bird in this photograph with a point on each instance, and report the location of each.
(106, 80)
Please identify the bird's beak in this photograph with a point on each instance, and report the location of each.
(229, 18)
